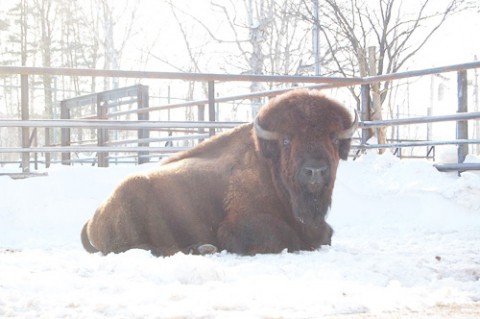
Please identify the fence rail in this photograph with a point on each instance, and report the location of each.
(166, 149)
(205, 77)
(318, 82)
(118, 125)
(106, 149)
(422, 120)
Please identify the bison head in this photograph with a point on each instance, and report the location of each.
(303, 134)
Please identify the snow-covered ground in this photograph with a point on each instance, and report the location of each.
(406, 245)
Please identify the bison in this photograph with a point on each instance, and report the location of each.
(262, 187)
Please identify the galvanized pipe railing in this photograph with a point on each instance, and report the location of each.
(422, 120)
(415, 144)
(117, 125)
(106, 149)
(134, 125)
(337, 81)
(205, 77)
(320, 82)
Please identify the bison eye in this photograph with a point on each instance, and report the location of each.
(335, 140)
(286, 141)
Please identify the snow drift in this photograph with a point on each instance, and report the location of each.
(406, 242)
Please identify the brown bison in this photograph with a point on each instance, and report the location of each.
(260, 188)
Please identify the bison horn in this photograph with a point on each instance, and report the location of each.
(263, 133)
(348, 133)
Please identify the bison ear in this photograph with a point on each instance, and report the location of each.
(269, 149)
(344, 148)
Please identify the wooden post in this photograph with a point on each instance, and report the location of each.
(25, 117)
(376, 102)
(462, 126)
(65, 132)
(201, 118)
(211, 105)
(142, 102)
(33, 140)
(47, 143)
(476, 107)
(365, 114)
(102, 134)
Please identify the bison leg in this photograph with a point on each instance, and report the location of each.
(201, 249)
(86, 241)
(91, 249)
(254, 234)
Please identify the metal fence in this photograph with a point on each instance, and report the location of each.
(142, 125)
(101, 104)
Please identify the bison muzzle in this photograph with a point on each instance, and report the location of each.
(262, 187)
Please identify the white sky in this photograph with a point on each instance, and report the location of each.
(451, 44)
(456, 42)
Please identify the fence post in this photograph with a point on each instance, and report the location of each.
(365, 113)
(65, 132)
(102, 134)
(25, 116)
(462, 126)
(201, 118)
(142, 103)
(47, 143)
(33, 140)
(211, 105)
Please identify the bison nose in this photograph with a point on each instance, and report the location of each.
(314, 173)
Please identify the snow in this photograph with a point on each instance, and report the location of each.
(406, 244)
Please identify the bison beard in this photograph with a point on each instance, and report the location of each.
(311, 209)
(238, 191)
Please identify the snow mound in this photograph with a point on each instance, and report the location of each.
(406, 244)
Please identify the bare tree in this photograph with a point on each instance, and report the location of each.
(260, 36)
(109, 20)
(368, 39)
(46, 19)
(472, 4)
(269, 36)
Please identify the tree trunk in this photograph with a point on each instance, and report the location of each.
(25, 109)
(46, 31)
(257, 31)
(376, 98)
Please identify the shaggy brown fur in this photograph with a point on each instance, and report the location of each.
(235, 191)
